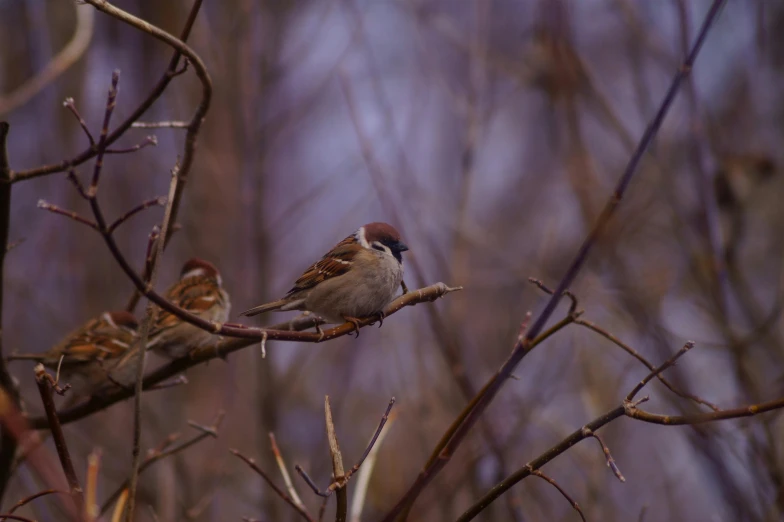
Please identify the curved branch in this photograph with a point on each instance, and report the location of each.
(68, 56)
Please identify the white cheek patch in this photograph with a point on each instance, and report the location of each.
(361, 237)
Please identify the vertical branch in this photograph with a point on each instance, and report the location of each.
(42, 379)
(8, 446)
(337, 465)
(149, 318)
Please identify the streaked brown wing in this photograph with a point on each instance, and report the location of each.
(335, 263)
(195, 294)
(100, 347)
(96, 340)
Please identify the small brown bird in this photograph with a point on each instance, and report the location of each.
(357, 278)
(95, 357)
(200, 292)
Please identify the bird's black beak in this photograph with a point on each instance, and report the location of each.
(400, 246)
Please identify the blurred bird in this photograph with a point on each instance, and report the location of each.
(95, 357)
(200, 292)
(357, 278)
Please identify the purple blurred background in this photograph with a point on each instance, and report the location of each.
(490, 133)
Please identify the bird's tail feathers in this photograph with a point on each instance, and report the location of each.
(25, 356)
(256, 310)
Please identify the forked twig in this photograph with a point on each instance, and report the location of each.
(340, 476)
(282, 494)
(607, 455)
(656, 371)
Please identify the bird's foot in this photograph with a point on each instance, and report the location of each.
(320, 332)
(381, 316)
(354, 321)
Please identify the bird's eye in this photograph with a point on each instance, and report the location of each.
(379, 247)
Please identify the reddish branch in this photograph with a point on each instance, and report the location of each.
(227, 346)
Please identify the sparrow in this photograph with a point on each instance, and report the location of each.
(357, 278)
(96, 356)
(200, 292)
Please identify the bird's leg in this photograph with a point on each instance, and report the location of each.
(320, 332)
(404, 287)
(354, 321)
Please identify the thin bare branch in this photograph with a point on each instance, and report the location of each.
(607, 455)
(537, 473)
(656, 371)
(179, 49)
(338, 472)
(44, 382)
(573, 298)
(284, 472)
(71, 106)
(165, 450)
(159, 201)
(149, 319)
(363, 478)
(111, 103)
(282, 494)
(34, 496)
(373, 440)
(634, 353)
(45, 205)
(148, 141)
(206, 83)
